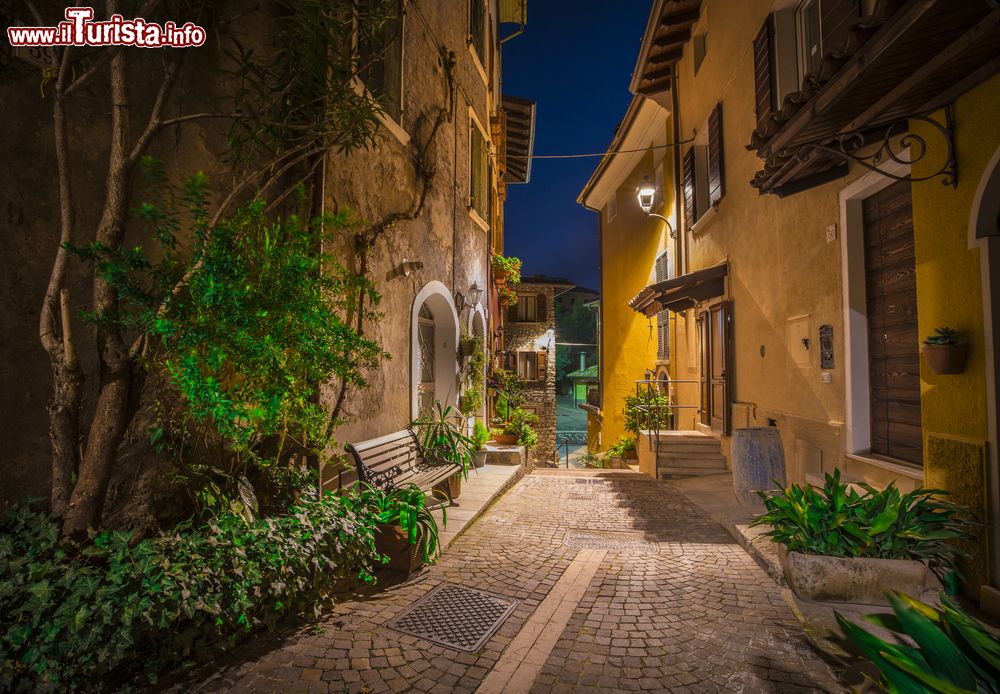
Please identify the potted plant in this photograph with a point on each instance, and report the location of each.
(468, 344)
(944, 352)
(623, 448)
(505, 270)
(445, 444)
(646, 411)
(471, 401)
(406, 534)
(521, 426)
(500, 435)
(480, 435)
(842, 545)
(506, 296)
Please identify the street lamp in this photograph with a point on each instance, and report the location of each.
(645, 194)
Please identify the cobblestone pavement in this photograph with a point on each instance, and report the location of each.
(680, 607)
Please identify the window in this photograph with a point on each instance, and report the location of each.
(810, 47)
(703, 177)
(380, 53)
(479, 184)
(477, 27)
(531, 366)
(527, 366)
(530, 308)
(526, 309)
(700, 49)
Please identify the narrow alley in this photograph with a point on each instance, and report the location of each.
(637, 589)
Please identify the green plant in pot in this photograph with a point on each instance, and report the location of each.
(521, 425)
(480, 435)
(945, 352)
(444, 443)
(472, 400)
(935, 648)
(865, 542)
(406, 534)
(647, 410)
(624, 447)
(506, 270)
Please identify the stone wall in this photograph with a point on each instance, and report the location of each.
(445, 244)
(539, 395)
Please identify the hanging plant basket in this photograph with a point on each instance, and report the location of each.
(946, 359)
(467, 347)
(499, 277)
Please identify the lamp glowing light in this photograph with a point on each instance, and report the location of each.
(646, 193)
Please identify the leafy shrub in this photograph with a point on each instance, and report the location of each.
(839, 521)
(510, 390)
(109, 611)
(620, 447)
(646, 411)
(511, 266)
(522, 424)
(954, 654)
(480, 435)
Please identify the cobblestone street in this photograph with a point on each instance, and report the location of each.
(669, 603)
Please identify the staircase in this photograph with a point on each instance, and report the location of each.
(688, 454)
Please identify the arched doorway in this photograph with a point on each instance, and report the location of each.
(477, 328)
(984, 233)
(433, 349)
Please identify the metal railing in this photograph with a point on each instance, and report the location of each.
(649, 393)
(565, 440)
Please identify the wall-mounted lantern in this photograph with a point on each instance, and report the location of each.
(646, 194)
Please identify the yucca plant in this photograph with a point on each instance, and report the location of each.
(442, 438)
(407, 508)
(840, 521)
(939, 649)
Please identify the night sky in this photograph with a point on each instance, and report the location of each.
(575, 59)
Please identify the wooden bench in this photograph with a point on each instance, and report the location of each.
(398, 460)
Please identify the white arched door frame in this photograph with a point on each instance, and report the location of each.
(983, 222)
(442, 307)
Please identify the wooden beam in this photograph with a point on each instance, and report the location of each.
(895, 31)
(673, 37)
(689, 17)
(985, 29)
(665, 57)
(657, 74)
(655, 87)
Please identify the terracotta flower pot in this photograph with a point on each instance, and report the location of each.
(500, 277)
(506, 439)
(392, 541)
(631, 454)
(946, 359)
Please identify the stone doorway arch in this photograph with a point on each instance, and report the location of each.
(433, 348)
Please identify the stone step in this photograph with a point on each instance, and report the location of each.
(683, 448)
(666, 473)
(712, 461)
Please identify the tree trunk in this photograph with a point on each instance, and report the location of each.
(111, 413)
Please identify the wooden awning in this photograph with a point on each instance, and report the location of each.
(668, 31)
(911, 58)
(520, 138)
(682, 293)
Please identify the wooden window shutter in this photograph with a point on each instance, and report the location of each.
(836, 17)
(763, 74)
(540, 308)
(690, 211)
(541, 363)
(716, 173)
(510, 361)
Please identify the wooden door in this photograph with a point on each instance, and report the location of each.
(715, 352)
(893, 340)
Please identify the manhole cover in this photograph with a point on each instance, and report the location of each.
(617, 540)
(455, 617)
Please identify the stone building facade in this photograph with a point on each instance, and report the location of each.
(530, 351)
(438, 79)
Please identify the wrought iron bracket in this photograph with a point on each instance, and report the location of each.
(874, 146)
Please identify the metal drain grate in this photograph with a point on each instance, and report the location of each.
(455, 617)
(616, 540)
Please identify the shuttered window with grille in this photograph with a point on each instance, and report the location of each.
(479, 182)
(716, 172)
(664, 270)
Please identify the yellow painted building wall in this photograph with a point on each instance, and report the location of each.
(953, 407)
(629, 245)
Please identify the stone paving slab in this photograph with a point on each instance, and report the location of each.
(698, 615)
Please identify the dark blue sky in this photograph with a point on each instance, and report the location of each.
(575, 60)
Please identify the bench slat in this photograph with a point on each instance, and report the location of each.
(396, 438)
